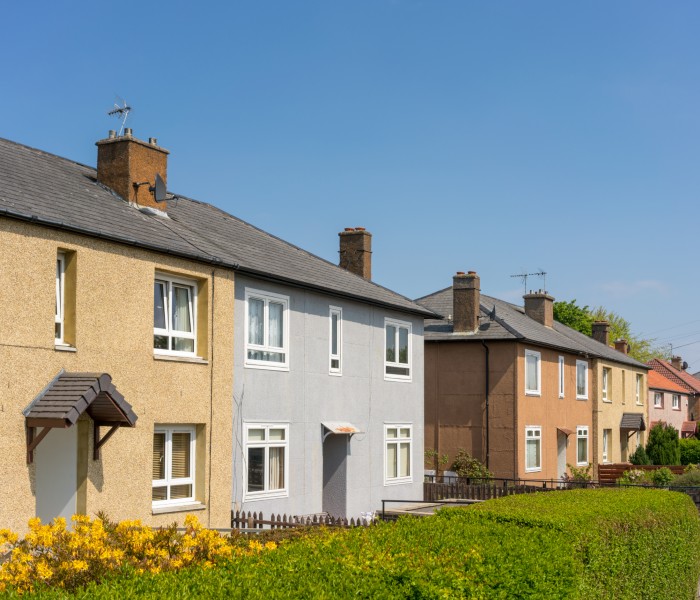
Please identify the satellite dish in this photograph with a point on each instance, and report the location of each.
(685, 365)
(159, 189)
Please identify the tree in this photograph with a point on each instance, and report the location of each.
(581, 319)
(663, 445)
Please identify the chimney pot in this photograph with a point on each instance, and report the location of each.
(677, 362)
(111, 134)
(128, 132)
(539, 306)
(461, 272)
(356, 251)
(153, 141)
(466, 300)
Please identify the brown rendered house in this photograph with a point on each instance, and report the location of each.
(509, 384)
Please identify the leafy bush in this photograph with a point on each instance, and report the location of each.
(639, 456)
(465, 465)
(662, 476)
(663, 445)
(690, 451)
(689, 478)
(635, 477)
(580, 474)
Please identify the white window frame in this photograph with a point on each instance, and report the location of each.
(538, 390)
(398, 441)
(536, 436)
(607, 434)
(60, 298)
(584, 365)
(638, 389)
(266, 444)
(675, 401)
(582, 434)
(335, 310)
(660, 397)
(191, 284)
(561, 376)
(169, 481)
(605, 384)
(396, 364)
(267, 297)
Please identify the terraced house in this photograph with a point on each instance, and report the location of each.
(160, 357)
(510, 385)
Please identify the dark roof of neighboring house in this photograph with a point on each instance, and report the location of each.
(511, 323)
(683, 379)
(658, 382)
(45, 189)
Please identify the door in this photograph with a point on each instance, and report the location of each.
(561, 454)
(56, 459)
(335, 455)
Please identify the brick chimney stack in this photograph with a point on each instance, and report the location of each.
(621, 345)
(128, 166)
(677, 362)
(539, 306)
(601, 332)
(356, 251)
(466, 298)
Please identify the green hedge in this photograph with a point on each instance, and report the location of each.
(690, 451)
(620, 543)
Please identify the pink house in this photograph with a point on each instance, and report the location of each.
(669, 402)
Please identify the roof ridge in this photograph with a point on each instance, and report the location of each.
(45, 153)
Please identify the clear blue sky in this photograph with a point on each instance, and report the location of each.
(501, 137)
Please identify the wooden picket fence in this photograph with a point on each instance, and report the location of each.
(434, 492)
(255, 520)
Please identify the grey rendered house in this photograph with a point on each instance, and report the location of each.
(328, 383)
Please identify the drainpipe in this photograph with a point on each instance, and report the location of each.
(486, 379)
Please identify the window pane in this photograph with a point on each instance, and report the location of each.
(158, 456)
(398, 371)
(181, 492)
(531, 372)
(391, 466)
(57, 331)
(256, 458)
(405, 460)
(276, 325)
(159, 305)
(182, 319)
(582, 450)
(335, 363)
(276, 469)
(391, 433)
(256, 310)
(405, 432)
(180, 455)
(533, 454)
(160, 342)
(403, 345)
(183, 344)
(580, 380)
(334, 334)
(59, 293)
(256, 435)
(390, 343)
(276, 434)
(159, 493)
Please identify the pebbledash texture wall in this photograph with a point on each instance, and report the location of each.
(110, 327)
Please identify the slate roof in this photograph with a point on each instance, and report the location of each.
(70, 395)
(49, 190)
(683, 379)
(658, 382)
(632, 421)
(511, 323)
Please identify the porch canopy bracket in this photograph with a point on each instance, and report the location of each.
(70, 395)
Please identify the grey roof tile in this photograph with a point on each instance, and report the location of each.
(50, 190)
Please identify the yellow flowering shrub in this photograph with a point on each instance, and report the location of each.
(69, 558)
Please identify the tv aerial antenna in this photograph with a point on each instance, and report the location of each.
(121, 112)
(524, 276)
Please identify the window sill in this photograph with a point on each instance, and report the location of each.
(267, 367)
(401, 481)
(536, 470)
(530, 393)
(398, 379)
(186, 359)
(192, 506)
(269, 496)
(607, 401)
(64, 348)
(581, 397)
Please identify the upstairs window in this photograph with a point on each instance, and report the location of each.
(532, 372)
(676, 402)
(174, 315)
(397, 361)
(336, 340)
(638, 389)
(173, 465)
(581, 380)
(658, 400)
(59, 327)
(267, 330)
(606, 384)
